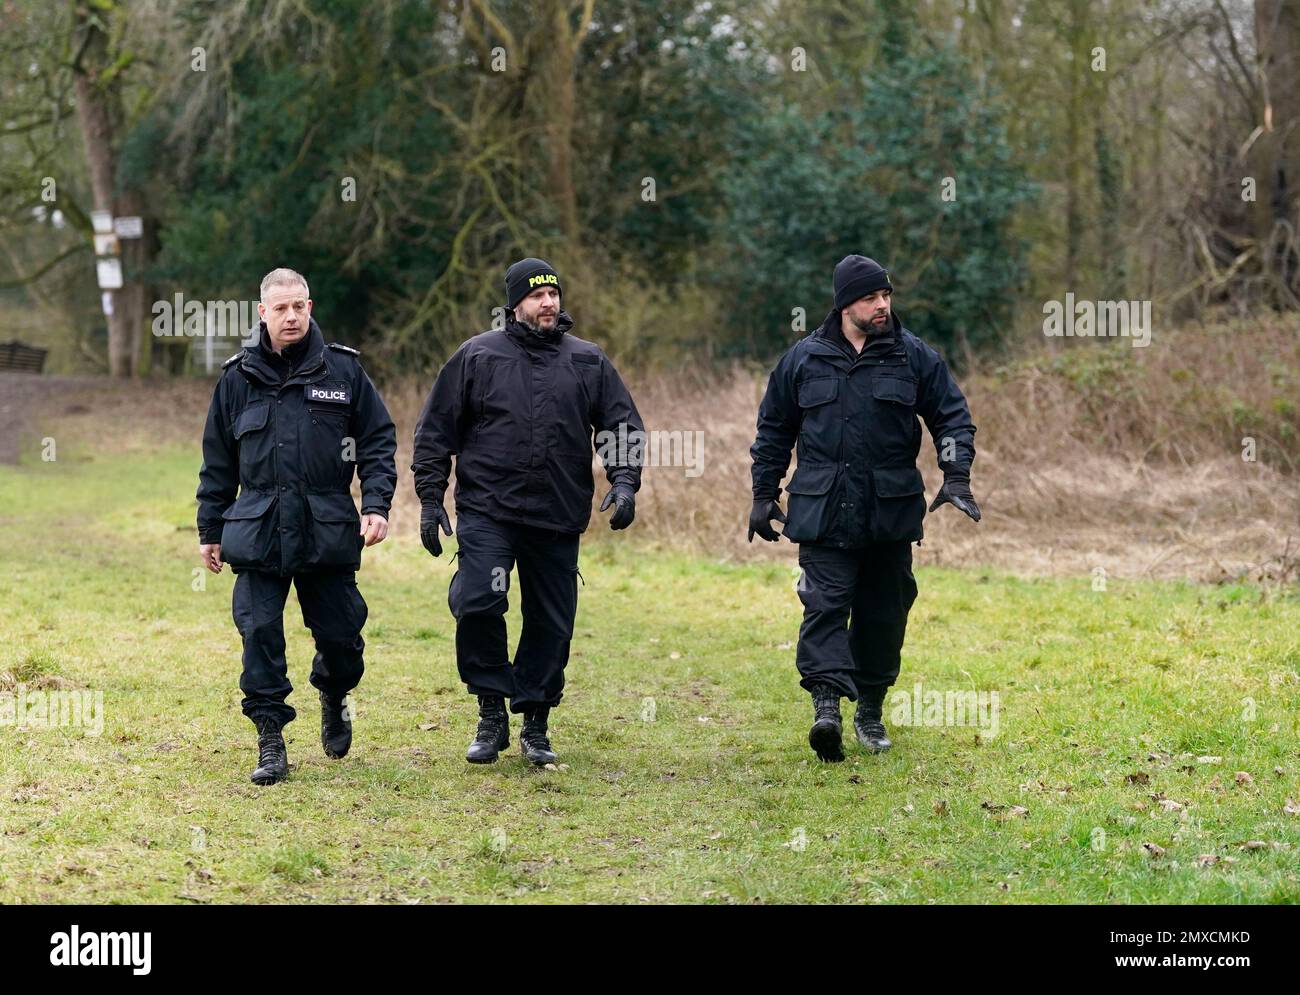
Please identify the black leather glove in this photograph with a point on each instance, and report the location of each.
(760, 519)
(956, 492)
(431, 517)
(624, 500)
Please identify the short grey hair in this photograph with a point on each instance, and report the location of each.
(283, 277)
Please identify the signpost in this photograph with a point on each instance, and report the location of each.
(108, 262)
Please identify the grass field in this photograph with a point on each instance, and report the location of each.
(1146, 748)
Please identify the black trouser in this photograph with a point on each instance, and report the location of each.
(332, 608)
(855, 616)
(548, 581)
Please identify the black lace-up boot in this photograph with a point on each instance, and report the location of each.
(537, 748)
(824, 737)
(272, 758)
(493, 730)
(867, 724)
(335, 726)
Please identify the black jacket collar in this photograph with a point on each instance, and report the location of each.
(828, 340)
(530, 339)
(298, 361)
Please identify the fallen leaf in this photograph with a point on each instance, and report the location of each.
(1241, 777)
(1153, 849)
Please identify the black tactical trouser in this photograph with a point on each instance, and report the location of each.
(334, 611)
(548, 582)
(855, 616)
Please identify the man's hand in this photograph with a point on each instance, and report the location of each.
(432, 517)
(374, 527)
(760, 520)
(210, 553)
(956, 492)
(624, 499)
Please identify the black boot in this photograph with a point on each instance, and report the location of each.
(335, 726)
(493, 730)
(537, 748)
(824, 737)
(867, 722)
(272, 759)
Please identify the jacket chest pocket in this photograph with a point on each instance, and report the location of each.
(894, 390)
(585, 374)
(252, 436)
(821, 426)
(895, 434)
(501, 388)
(818, 391)
(328, 452)
(328, 420)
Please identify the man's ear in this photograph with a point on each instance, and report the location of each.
(309, 307)
(261, 310)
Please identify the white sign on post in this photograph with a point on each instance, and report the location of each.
(102, 221)
(105, 245)
(109, 272)
(128, 227)
(106, 302)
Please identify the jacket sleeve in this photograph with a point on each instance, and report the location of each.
(943, 406)
(440, 428)
(617, 415)
(778, 430)
(219, 475)
(376, 438)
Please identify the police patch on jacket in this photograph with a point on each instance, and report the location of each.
(330, 393)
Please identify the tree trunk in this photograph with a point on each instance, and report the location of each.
(1275, 156)
(99, 111)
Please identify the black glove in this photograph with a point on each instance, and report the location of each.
(760, 519)
(624, 500)
(431, 517)
(956, 492)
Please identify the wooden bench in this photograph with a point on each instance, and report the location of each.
(23, 358)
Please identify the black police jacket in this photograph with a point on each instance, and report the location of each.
(854, 421)
(518, 411)
(290, 440)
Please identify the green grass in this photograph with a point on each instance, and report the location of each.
(1108, 700)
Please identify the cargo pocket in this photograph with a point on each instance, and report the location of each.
(335, 531)
(248, 537)
(809, 491)
(899, 505)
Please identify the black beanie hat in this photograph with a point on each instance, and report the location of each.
(527, 275)
(857, 276)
